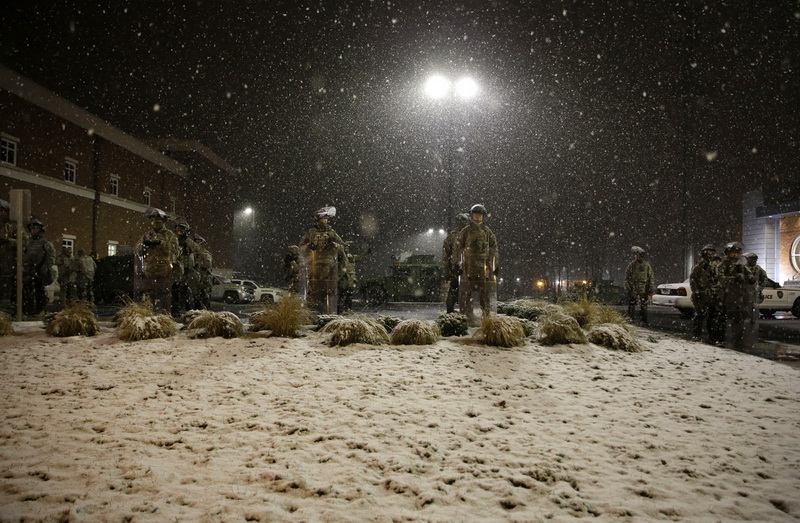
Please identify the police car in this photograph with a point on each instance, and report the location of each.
(679, 295)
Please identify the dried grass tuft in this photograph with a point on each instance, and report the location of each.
(557, 327)
(389, 322)
(189, 316)
(500, 331)
(590, 313)
(345, 331)
(452, 324)
(6, 325)
(137, 321)
(284, 318)
(77, 319)
(207, 324)
(614, 336)
(415, 332)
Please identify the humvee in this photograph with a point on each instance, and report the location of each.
(418, 278)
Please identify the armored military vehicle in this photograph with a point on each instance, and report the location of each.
(417, 278)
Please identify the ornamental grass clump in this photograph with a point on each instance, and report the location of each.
(324, 319)
(415, 332)
(500, 331)
(557, 327)
(615, 337)
(389, 322)
(582, 310)
(77, 319)
(452, 324)
(6, 326)
(284, 318)
(138, 321)
(208, 324)
(344, 331)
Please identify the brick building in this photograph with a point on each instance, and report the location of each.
(90, 182)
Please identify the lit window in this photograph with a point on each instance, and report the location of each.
(146, 196)
(8, 151)
(112, 248)
(794, 254)
(113, 186)
(70, 170)
(68, 242)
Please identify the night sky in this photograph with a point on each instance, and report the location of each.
(599, 125)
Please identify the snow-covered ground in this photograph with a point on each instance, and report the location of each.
(265, 429)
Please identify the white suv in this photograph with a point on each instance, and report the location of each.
(223, 289)
(260, 293)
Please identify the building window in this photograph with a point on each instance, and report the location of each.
(794, 254)
(146, 196)
(113, 186)
(70, 170)
(68, 242)
(112, 248)
(8, 151)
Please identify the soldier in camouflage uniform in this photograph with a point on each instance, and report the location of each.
(8, 254)
(320, 254)
(67, 272)
(37, 269)
(705, 297)
(452, 269)
(737, 293)
(639, 284)
(203, 264)
(476, 251)
(187, 282)
(291, 269)
(84, 281)
(157, 263)
(762, 280)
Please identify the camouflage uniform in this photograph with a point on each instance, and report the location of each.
(704, 283)
(451, 263)
(67, 272)
(737, 294)
(8, 257)
(188, 282)
(157, 266)
(84, 281)
(320, 248)
(476, 249)
(639, 286)
(37, 263)
(291, 269)
(203, 264)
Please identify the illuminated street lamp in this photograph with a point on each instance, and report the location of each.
(440, 88)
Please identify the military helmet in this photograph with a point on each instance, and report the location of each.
(154, 212)
(462, 217)
(37, 222)
(708, 247)
(325, 212)
(733, 246)
(478, 209)
(184, 226)
(637, 250)
(750, 255)
(199, 239)
(4, 206)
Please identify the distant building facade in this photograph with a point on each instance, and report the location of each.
(771, 229)
(91, 182)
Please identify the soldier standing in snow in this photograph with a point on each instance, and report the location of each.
(67, 272)
(476, 250)
(705, 296)
(291, 269)
(319, 249)
(8, 254)
(452, 269)
(638, 284)
(157, 262)
(37, 269)
(84, 279)
(182, 297)
(203, 264)
(762, 280)
(738, 299)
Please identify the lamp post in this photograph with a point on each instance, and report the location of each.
(443, 91)
(242, 224)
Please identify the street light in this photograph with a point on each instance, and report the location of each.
(438, 87)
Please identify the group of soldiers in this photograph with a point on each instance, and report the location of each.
(173, 269)
(38, 258)
(75, 276)
(725, 294)
(471, 261)
(321, 267)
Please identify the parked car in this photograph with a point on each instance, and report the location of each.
(223, 289)
(261, 293)
(679, 295)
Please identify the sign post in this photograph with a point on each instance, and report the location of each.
(20, 202)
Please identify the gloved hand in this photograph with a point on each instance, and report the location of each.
(151, 243)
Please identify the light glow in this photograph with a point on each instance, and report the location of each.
(466, 88)
(437, 87)
(247, 211)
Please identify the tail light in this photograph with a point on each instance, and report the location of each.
(681, 291)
